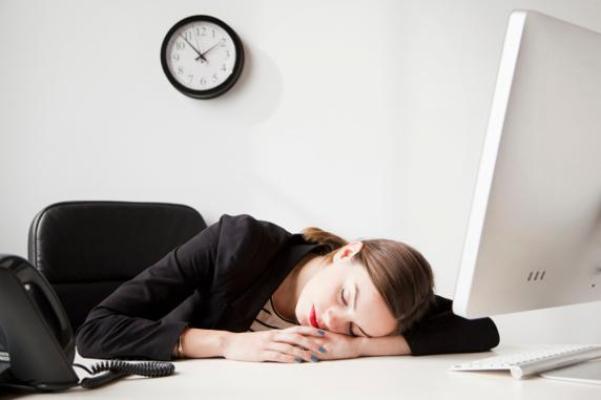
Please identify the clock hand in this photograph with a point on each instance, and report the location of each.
(198, 48)
(200, 55)
(210, 48)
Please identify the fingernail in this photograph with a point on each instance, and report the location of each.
(298, 359)
(322, 333)
(314, 358)
(321, 348)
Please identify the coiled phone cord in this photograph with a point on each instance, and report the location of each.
(117, 369)
(105, 371)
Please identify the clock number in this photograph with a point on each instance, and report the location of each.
(190, 76)
(188, 35)
(175, 56)
(223, 68)
(214, 77)
(227, 54)
(204, 31)
(223, 42)
(180, 70)
(180, 44)
(213, 33)
(203, 81)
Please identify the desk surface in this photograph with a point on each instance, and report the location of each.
(361, 378)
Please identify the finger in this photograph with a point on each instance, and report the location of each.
(276, 356)
(292, 350)
(306, 330)
(298, 339)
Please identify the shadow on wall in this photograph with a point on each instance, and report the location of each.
(278, 197)
(256, 95)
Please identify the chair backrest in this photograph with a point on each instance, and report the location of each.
(86, 249)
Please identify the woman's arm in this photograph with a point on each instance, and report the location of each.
(202, 343)
(441, 331)
(383, 346)
(129, 323)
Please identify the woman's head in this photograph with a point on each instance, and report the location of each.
(375, 287)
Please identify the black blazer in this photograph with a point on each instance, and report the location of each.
(220, 279)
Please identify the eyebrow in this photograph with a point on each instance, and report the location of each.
(355, 309)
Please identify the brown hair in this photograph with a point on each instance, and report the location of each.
(400, 273)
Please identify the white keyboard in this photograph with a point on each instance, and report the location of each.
(531, 362)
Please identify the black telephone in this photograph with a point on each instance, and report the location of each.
(37, 346)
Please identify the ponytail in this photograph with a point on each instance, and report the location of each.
(329, 240)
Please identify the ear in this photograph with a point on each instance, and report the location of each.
(347, 251)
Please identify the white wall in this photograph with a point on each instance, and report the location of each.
(363, 117)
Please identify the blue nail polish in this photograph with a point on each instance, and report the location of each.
(322, 333)
(314, 358)
(321, 348)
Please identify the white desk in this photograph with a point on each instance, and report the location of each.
(408, 378)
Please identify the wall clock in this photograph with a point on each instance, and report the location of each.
(202, 56)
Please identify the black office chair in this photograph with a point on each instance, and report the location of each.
(86, 249)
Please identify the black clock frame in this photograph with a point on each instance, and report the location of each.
(217, 90)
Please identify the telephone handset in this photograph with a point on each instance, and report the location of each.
(38, 339)
(50, 307)
(38, 334)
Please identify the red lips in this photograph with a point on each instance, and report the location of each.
(313, 318)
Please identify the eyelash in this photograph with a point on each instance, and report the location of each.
(350, 325)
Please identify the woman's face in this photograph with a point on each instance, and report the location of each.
(345, 299)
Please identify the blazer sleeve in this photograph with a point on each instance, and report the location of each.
(441, 331)
(127, 324)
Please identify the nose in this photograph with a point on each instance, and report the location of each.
(335, 320)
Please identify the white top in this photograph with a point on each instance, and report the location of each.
(268, 318)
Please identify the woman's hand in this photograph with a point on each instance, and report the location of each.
(294, 344)
(339, 346)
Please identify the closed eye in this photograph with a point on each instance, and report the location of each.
(350, 325)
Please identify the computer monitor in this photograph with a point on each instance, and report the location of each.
(534, 233)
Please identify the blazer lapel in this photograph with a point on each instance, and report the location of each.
(240, 313)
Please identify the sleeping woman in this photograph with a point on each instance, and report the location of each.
(246, 289)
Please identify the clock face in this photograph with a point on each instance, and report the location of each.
(202, 56)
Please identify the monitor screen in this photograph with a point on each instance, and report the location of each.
(534, 234)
